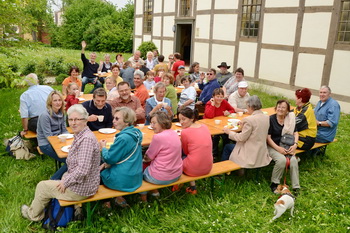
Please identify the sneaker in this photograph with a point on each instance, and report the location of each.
(296, 191)
(78, 214)
(273, 187)
(24, 211)
(189, 190)
(176, 187)
(121, 202)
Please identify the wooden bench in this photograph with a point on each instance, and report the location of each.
(322, 146)
(30, 135)
(106, 193)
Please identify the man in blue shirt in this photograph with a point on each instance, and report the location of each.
(33, 102)
(208, 88)
(327, 112)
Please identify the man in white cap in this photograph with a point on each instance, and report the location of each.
(238, 98)
(33, 102)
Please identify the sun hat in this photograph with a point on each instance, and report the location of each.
(223, 64)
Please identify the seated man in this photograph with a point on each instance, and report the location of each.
(98, 107)
(207, 89)
(33, 102)
(125, 99)
(141, 91)
(224, 74)
(238, 99)
(90, 67)
(136, 58)
(327, 112)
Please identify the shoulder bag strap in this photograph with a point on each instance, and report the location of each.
(138, 139)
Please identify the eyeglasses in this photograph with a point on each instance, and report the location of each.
(170, 58)
(210, 74)
(75, 120)
(116, 118)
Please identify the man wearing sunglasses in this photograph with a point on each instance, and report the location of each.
(207, 89)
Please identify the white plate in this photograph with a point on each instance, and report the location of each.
(234, 128)
(178, 124)
(178, 132)
(233, 121)
(65, 148)
(107, 130)
(180, 87)
(68, 135)
(81, 99)
(150, 127)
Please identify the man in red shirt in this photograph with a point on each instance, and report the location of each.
(178, 62)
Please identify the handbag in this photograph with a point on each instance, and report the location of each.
(17, 148)
(287, 140)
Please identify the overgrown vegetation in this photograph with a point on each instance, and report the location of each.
(242, 205)
(145, 47)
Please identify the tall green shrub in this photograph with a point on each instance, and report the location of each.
(146, 47)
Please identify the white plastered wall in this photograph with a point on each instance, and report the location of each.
(315, 30)
(203, 5)
(167, 48)
(137, 43)
(169, 6)
(202, 26)
(138, 26)
(157, 6)
(225, 27)
(167, 26)
(319, 3)
(275, 65)
(139, 7)
(247, 57)
(281, 3)
(201, 55)
(147, 38)
(279, 29)
(225, 4)
(156, 27)
(339, 78)
(156, 43)
(222, 53)
(309, 70)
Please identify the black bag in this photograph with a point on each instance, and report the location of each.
(287, 140)
(56, 215)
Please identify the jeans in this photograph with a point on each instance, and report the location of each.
(48, 150)
(87, 80)
(227, 151)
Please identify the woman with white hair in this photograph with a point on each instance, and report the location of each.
(149, 62)
(250, 150)
(83, 176)
(106, 64)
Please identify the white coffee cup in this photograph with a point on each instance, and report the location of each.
(140, 126)
(165, 105)
(100, 118)
(108, 71)
(217, 122)
(81, 93)
(240, 113)
(62, 138)
(100, 72)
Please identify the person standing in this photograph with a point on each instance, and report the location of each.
(178, 62)
(90, 68)
(327, 112)
(33, 103)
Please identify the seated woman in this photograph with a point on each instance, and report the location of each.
(218, 106)
(105, 65)
(111, 87)
(73, 78)
(232, 84)
(50, 123)
(119, 60)
(250, 150)
(305, 119)
(194, 72)
(158, 103)
(164, 152)
(188, 95)
(168, 80)
(123, 161)
(196, 145)
(116, 74)
(83, 176)
(281, 123)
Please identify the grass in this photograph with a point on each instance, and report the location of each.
(242, 205)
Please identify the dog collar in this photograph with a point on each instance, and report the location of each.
(289, 194)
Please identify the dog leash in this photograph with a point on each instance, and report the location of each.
(287, 165)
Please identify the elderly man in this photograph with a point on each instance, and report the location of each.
(224, 74)
(208, 88)
(125, 99)
(178, 62)
(100, 112)
(238, 99)
(141, 91)
(90, 67)
(136, 58)
(327, 112)
(33, 103)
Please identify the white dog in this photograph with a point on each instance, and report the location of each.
(284, 202)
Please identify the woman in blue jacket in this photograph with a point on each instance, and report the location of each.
(123, 161)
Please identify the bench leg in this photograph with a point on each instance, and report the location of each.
(90, 212)
(219, 181)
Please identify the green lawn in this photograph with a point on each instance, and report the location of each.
(243, 205)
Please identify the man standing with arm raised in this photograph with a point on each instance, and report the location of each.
(90, 67)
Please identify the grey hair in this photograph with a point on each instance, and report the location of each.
(78, 108)
(31, 79)
(254, 102)
(139, 73)
(150, 53)
(329, 89)
(129, 115)
(158, 85)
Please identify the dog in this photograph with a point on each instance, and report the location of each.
(284, 202)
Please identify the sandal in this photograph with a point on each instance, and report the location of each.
(176, 187)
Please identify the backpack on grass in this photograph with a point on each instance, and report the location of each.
(16, 147)
(56, 215)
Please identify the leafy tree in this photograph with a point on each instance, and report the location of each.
(145, 47)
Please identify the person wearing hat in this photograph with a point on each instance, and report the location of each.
(224, 74)
(232, 84)
(181, 73)
(305, 119)
(238, 99)
(33, 103)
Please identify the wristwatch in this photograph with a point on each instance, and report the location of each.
(319, 123)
